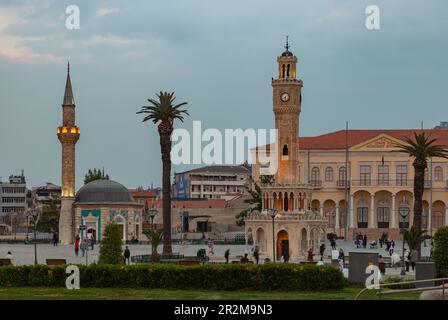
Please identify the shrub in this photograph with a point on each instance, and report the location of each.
(397, 279)
(282, 277)
(440, 254)
(110, 246)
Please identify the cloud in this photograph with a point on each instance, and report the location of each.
(16, 47)
(102, 12)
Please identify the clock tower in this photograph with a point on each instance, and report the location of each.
(287, 99)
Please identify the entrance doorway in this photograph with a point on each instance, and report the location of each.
(282, 243)
(121, 230)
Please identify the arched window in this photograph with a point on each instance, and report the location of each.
(438, 173)
(283, 71)
(362, 214)
(285, 150)
(328, 174)
(315, 176)
(287, 70)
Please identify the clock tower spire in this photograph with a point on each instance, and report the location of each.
(287, 99)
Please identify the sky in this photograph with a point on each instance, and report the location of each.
(219, 56)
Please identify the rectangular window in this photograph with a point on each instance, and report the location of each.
(402, 175)
(364, 175)
(383, 175)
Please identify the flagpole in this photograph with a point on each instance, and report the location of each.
(346, 183)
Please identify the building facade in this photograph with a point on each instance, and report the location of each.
(46, 195)
(13, 199)
(356, 180)
(212, 182)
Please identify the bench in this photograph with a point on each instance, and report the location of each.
(5, 262)
(56, 262)
(188, 262)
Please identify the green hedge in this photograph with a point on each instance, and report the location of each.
(269, 276)
(440, 254)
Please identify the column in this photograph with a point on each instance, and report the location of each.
(282, 201)
(336, 223)
(371, 223)
(446, 216)
(352, 219)
(322, 211)
(429, 216)
(271, 201)
(393, 223)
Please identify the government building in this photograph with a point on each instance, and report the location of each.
(355, 180)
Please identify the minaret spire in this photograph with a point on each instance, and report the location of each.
(287, 44)
(68, 95)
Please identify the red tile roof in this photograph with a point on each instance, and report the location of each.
(336, 140)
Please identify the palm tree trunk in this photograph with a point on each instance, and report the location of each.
(419, 182)
(165, 144)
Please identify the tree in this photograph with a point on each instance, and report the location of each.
(254, 204)
(155, 236)
(421, 148)
(414, 237)
(95, 174)
(49, 220)
(163, 113)
(440, 254)
(110, 246)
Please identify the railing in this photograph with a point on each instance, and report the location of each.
(316, 183)
(432, 288)
(343, 183)
(388, 183)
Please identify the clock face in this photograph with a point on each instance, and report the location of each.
(285, 97)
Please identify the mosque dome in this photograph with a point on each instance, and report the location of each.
(104, 192)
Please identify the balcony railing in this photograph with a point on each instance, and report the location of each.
(316, 183)
(342, 183)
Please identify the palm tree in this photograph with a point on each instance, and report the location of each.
(421, 148)
(163, 113)
(414, 237)
(155, 236)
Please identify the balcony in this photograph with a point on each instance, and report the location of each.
(344, 183)
(316, 183)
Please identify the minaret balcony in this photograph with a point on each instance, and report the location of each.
(65, 130)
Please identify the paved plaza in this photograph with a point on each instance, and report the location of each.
(24, 253)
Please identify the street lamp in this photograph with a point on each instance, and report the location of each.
(35, 214)
(273, 212)
(152, 214)
(403, 214)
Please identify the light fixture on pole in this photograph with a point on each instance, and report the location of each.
(152, 213)
(272, 213)
(34, 214)
(403, 214)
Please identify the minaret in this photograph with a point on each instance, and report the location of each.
(68, 135)
(287, 99)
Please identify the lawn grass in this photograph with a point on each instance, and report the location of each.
(44, 293)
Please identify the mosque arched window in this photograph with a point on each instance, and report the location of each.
(285, 150)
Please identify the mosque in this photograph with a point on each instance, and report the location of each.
(97, 203)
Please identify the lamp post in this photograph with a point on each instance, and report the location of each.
(273, 212)
(152, 213)
(403, 215)
(34, 213)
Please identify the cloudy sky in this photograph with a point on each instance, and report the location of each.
(219, 56)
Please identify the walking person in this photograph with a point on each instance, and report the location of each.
(310, 255)
(127, 255)
(407, 256)
(83, 246)
(76, 246)
(10, 257)
(322, 251)
(227, 255)
(285, 256)
(364, 241)
(341, 258)
(333, 244)
(55, 239)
